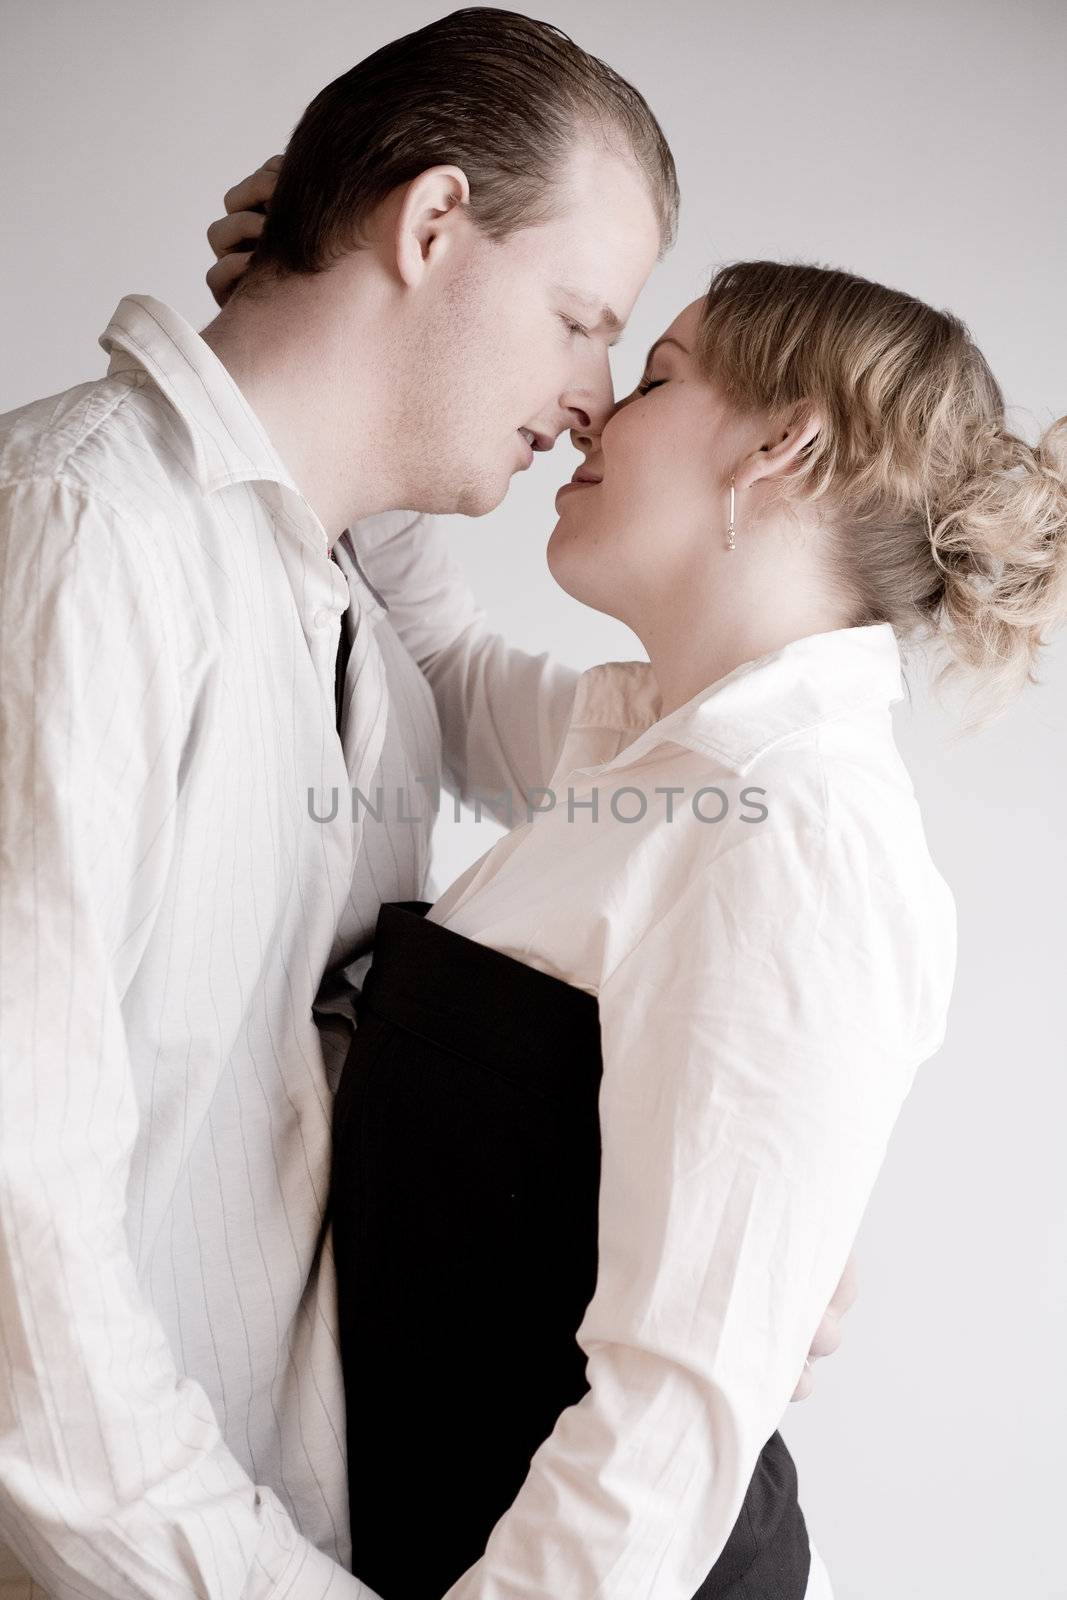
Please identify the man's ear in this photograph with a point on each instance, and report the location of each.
(430, 211)
(778, 453)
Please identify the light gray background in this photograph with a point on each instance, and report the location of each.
(918, 143)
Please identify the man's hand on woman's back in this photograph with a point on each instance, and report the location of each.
(828, 1333)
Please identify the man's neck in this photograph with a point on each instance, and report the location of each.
(318, 390)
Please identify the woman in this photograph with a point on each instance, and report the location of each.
(616, 1103)
(812, 468)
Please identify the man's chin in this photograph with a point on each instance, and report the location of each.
(478, 499)
(474, 498)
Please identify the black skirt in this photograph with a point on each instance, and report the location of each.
(464, 1188)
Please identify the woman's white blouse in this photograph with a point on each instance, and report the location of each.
(746, 887)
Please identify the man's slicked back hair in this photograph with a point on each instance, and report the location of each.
(501, 95)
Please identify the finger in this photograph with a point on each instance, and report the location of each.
(225, 273)
(848, 1289)
(236, 232)
(827, 1337)
(805, 1386)
(253, 191)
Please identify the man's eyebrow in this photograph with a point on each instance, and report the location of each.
(608, 317)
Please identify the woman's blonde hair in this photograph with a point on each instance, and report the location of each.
(938, 519)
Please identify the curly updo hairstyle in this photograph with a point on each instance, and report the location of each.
(938, 518)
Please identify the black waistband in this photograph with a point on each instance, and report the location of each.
(477, 1001)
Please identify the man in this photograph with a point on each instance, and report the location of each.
(440, 275)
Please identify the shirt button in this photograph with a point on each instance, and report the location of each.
(323, 617)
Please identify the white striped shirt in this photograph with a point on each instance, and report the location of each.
(171, 1408)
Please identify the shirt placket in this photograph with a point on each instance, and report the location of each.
(364, 702)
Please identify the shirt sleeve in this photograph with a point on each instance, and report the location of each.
(757, 1045)
(114, 1478)
(503, 712)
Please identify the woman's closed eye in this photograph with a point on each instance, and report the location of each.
(636, 393)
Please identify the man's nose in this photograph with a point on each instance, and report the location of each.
(590, 409)
(586, 437)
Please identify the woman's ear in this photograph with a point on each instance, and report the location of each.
(778, 453)
(432, 205)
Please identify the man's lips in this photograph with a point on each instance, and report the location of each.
(585, 477)
(541, 441)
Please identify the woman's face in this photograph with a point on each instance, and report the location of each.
(654, 524)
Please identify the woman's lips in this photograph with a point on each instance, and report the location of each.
(575, 483)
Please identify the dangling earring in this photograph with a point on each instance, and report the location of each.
(732, 529)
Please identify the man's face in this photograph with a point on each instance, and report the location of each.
(519, 333)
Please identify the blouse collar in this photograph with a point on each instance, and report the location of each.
(740, 716)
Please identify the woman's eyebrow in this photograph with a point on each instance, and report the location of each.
(667, 339)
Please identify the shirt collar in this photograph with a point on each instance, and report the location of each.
(230, 444)
(740, 716)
